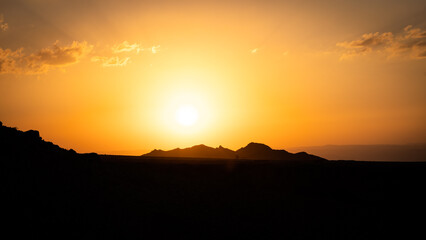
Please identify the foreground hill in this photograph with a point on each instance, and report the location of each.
(49, 192)
(15, 143)
(253, 151)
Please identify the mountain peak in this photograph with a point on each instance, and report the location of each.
(200, 146)
(253, 150)
(257, 146)
(196, 151)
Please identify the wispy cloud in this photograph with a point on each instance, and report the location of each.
(155, 49)
(366, 44)
(122, 54)
(411, 42)
(9, 60)
(42, 60)
(56, 56)
(254, 50)
(3, 25)
(111, 61)
(126, 47)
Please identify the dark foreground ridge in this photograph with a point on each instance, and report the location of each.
(253, 151)
(50, 192)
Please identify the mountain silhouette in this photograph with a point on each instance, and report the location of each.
(16, 143)
(197, 151)
(253, 151)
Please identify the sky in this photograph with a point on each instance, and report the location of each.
(113, 76)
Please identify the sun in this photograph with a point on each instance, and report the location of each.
(186, 115)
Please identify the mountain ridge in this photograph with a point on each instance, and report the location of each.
(19, 143)
(15, 142)
(253, 151)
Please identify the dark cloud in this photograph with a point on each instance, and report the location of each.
(42, 60)
(410, 42)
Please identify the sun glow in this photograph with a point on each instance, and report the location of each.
(187, 105)
(186, 115)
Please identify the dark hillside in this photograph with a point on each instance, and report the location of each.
(49, 191)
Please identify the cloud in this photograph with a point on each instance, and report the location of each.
(366, 44)
(411, 42)
(111, 61)
(42, 60)
(155, 49)
(123, 51)
(56, 56)
(3, 25)
(254, 51)
(126, 47)
(9, 59)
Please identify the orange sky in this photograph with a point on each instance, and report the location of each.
(109, 76)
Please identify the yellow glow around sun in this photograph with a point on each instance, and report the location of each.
(186, 115)
(187, 106)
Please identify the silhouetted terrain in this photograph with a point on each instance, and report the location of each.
(49, 191)
(253, 151)
(387, 153)
(198, 151)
